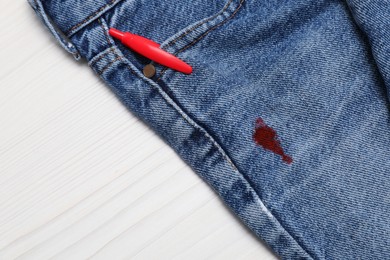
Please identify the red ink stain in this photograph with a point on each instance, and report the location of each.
(267, 137)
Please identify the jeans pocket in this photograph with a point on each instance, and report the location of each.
(176, 25)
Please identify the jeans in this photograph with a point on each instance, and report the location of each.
(286, 114)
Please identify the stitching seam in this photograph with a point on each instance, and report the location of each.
(177, 108)
(203, 35)
(65, 43)
(166, 97)
(180, 111)
(112, 50)
(104, 31)
(110, 64)
(101, 57)
(212, 28)
(184, 34)
(70, 31)
(198, 25)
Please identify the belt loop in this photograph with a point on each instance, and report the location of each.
(61, 38)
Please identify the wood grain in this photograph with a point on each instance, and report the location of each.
(81, 177)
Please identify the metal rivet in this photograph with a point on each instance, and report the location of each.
(149, 70)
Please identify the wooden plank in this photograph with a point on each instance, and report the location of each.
(81, 177)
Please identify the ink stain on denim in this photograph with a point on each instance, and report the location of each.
(267, 137)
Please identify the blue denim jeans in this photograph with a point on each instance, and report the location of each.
(286, 115)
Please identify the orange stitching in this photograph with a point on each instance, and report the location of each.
(212, 28)
(102, 56)
(193, 123)
(203, 35)
(131, 70)
(108, 40)
(88, 18)
(197, 26)
(109, 65)
(104, 31)
(220, 149)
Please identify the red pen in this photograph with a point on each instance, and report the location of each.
(150, 50)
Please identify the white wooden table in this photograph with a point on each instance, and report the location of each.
(81, 177)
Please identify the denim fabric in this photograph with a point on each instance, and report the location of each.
(310, 78)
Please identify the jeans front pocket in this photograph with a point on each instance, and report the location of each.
(175, 24)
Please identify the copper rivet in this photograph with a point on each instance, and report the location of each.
(149, 71)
